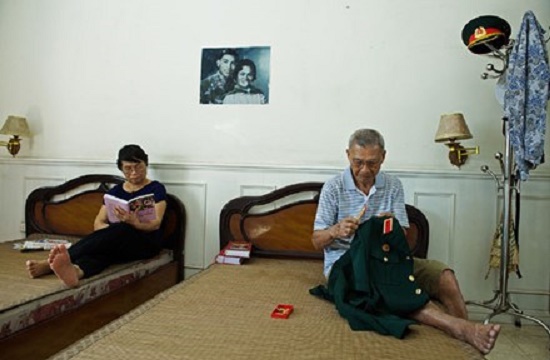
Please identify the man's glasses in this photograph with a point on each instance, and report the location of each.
(128, 169)
(371, 164)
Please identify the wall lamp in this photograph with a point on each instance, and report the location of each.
(17, 127)
(452, 127)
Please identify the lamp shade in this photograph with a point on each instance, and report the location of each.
(16, 125)
(452, 127)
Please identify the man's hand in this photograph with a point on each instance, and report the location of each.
(345, 228)
(342, 230)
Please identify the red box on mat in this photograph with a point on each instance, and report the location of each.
(282, 311)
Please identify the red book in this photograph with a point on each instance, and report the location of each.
(237, 249)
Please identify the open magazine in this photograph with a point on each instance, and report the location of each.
(143, 205)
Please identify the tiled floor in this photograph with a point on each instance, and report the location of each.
(530, 342)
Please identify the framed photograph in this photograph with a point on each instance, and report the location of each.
(235, 76)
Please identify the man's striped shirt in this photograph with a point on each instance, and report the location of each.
(340, 198)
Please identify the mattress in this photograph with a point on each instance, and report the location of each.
(225, 312)
(25, 301)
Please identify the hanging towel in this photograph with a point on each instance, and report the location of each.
(496, 248)
(527, 91)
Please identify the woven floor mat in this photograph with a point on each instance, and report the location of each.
(224, 312)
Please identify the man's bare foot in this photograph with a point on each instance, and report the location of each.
(482, 337)
(37, 268)
(60, 263)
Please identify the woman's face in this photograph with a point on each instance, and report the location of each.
(245, 77)
(134, 172)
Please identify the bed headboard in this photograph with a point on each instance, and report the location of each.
(70, 209)
(280, 223)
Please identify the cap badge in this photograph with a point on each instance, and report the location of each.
(480, 32)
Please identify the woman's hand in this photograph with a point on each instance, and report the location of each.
(127, 217)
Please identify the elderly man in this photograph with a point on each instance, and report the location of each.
(363, 191)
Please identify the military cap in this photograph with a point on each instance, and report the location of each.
(486, 30)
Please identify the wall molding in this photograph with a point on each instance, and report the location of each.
(442, 203)
(195, 251)
(290, 168)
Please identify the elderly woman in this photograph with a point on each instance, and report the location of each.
(244, 92)
(127, 239)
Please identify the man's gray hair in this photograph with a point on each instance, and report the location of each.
(366, 137)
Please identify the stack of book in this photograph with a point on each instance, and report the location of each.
(234, 253)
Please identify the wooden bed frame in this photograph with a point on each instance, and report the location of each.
(264, 220)
(70, 209)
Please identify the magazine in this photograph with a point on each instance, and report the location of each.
(143, 205)
(39, 245)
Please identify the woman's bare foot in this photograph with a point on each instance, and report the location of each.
(37, 268)
(60, 263)
(482, 337)
(53, 253)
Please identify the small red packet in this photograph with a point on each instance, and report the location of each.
(388, 225)
(282, 311)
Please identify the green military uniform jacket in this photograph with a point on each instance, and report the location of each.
(372, 284)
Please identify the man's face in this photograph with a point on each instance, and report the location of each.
(226, 64)
(365, 162)
(244, 77)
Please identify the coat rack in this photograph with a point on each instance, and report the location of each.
(508, 184)
(498, 54)
(503, 56)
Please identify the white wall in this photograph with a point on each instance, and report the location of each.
(128, 71)
(91, 76)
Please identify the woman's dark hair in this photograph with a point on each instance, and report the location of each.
(241, 64)
(131, 153)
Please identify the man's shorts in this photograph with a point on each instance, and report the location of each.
(426, 273)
